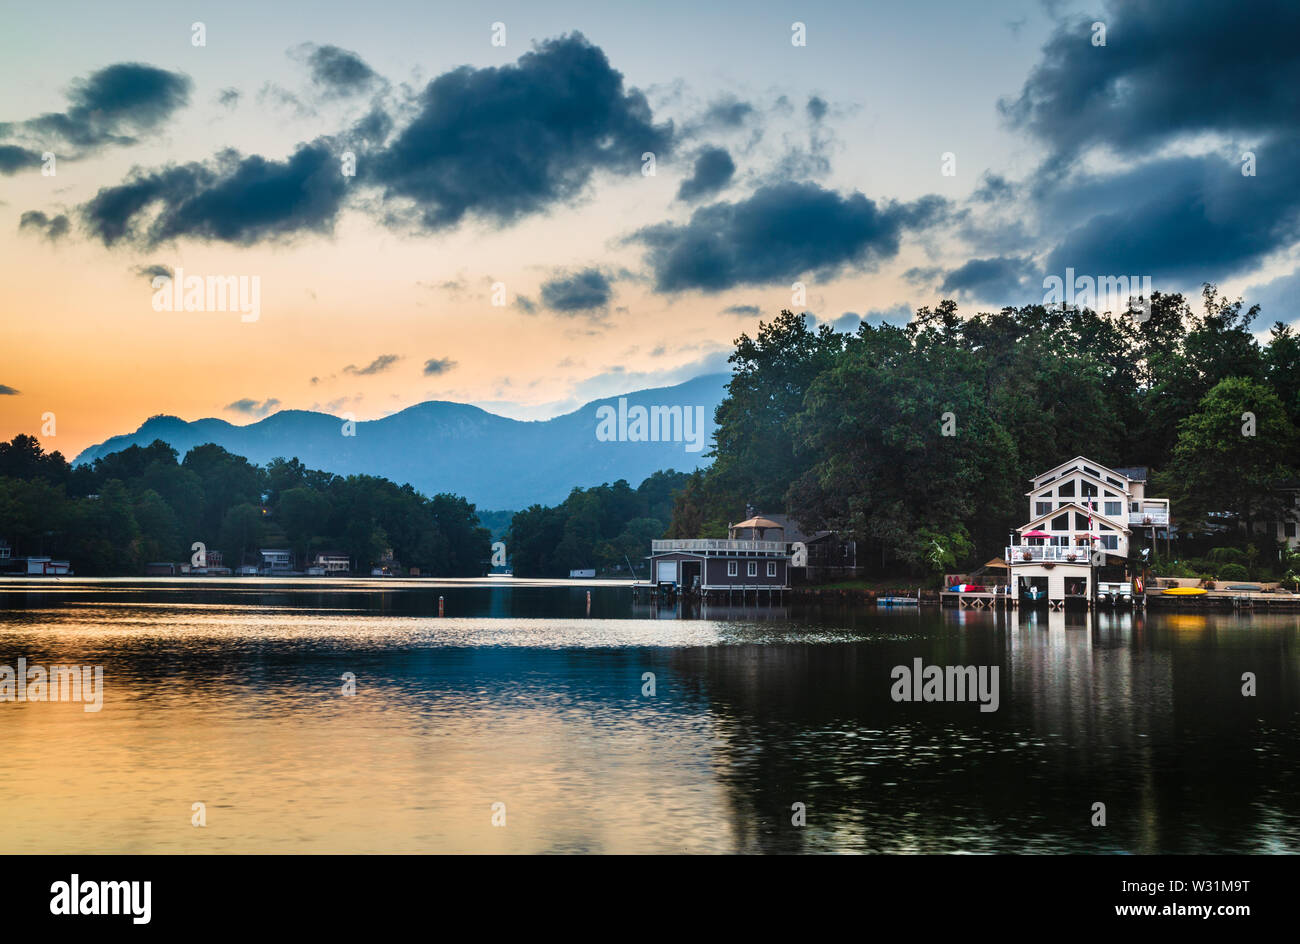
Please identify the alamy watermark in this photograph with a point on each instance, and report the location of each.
(1113, 293)
(946, 683)
(82, 683)
(651, 424)
(181, 292)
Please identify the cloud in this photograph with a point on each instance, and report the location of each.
(339, 72)
(109, 107)
(727, 112)
(438, 365)
(714, 169)
(153, 271)
(377, 366)
(1165, 71)
(232, 199)
(1169, 107)
(14, 158)
(7, 391)
(584, 291)
(52, 228)
(746, 311)
(899, 315)
(1001, 279)
(252, 407)
(779, 233)
(817, 108)
(525, 304)
(503, 142)
(229, 97)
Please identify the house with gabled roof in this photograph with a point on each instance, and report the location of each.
(1082, 517)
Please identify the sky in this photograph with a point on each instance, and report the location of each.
(438, 201)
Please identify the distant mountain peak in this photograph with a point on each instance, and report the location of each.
(446, 446)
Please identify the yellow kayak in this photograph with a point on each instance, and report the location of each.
(1185, 591)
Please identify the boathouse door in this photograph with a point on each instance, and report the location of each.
(691, 575)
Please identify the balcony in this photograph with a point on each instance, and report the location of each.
(1048, 553)
(715, 546)
(1151, 516)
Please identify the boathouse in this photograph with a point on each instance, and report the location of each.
(752, 558)
(1082, 517)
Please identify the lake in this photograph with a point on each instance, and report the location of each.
(521, 706)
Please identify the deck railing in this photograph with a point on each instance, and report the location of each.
(1053, 553)
(1157, 515)
(696, 545)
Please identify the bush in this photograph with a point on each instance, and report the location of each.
(1233, 572)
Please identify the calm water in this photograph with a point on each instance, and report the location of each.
(230, 695)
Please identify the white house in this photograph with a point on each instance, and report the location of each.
(1082, 516)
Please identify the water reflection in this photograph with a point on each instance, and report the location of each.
(232, 698)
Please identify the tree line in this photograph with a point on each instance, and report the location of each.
(919, 441)
(605, 528)
(146, 504)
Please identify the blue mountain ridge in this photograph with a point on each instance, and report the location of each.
(440, 446)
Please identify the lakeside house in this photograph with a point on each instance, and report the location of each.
(753, 557)
(818, 556)
(331, 563)
(1082, 517)
(276, 560)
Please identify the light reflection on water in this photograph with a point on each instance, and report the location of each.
(231, 697)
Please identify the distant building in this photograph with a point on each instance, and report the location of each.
(752, 556)
(332, 562)
(44, 566)
(583, 572)
(160, 569)
(818, 556)
(276, 560)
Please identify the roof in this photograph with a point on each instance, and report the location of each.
(1137, 473)
(758, 522)
(1092, 462)
(1074, 506)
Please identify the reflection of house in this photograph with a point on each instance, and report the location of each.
(752, 556)
(276, 560)
(1081, 517)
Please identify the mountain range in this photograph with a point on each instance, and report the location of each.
(496, 462)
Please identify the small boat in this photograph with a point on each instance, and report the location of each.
(1033, 594)
(1185, 591)
(897, 601)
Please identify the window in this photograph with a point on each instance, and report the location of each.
(731, 569)
(771, 568)
(1080, 522)
(1110, 542)
(753, 569)
(1042, 508)
(1093, 472)
(1061, 523)
(1066, 490)
(1112, 481)
(1290, 529)
(1132, 506)
(1113, 509)
(1089, 490)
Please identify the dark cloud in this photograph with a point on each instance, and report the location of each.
(7, 391)
(377, 366)
(817, 108)
(502, 142)
(727, 112)
(109, 106)
(14, 158)
(714, 169)
(1166, 70)
(777, 234)
(1002, 279)
(229, 97)
(339, 71)
(154, 271)
(51, 227)
(253, 407)
(438, 365)
(525, 304)
(1170, 82)
(583, 291)
(745, 311)
(232, 199)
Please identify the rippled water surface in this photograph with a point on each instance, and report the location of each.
(230, 695)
